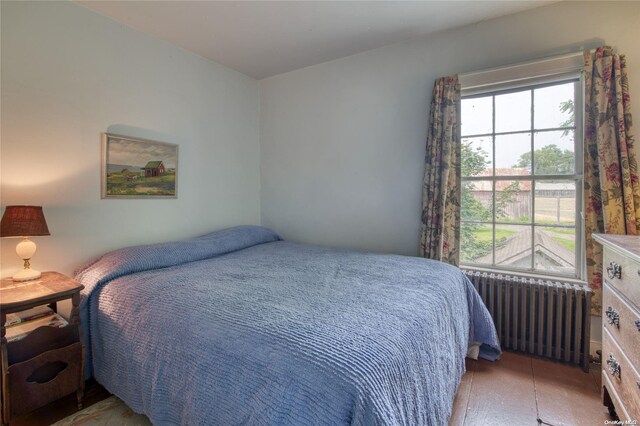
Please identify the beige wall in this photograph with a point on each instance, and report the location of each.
(343, 142)
(69, 74)
(335, 157)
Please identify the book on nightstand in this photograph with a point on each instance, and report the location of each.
(20, 324)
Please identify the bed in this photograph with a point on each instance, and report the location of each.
(241, 327)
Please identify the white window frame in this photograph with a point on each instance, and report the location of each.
(529, 76)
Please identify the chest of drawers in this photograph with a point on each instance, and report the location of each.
(621, 325)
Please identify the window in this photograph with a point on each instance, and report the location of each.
(521, 196)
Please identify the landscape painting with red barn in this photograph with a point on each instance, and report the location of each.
(138, 168)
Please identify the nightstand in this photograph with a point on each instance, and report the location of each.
(48, 363)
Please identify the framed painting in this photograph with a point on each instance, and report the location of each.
(138, 168)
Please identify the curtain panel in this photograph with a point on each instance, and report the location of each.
(440, 224)
(611, 186)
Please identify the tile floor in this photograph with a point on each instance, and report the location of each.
(521, 390)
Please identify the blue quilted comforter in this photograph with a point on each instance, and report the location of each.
(239, 327)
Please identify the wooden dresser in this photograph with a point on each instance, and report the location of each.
(621, 325)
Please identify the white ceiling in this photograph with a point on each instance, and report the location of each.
(265, 38)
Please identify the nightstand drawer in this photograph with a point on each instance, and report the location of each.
(623, 322)
(45, 378)
(621, 374)
(622, 273)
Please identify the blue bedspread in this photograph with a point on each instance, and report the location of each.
(239, 327)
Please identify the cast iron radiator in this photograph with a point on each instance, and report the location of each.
(538, 317)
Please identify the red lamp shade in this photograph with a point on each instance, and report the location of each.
(23, 221)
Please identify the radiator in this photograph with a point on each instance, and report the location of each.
(543, 318)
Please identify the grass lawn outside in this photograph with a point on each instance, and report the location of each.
(568, 231)
(484, 234)
(568, 244)
(563, 236)
(566, 237)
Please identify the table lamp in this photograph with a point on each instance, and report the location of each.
(25, 222)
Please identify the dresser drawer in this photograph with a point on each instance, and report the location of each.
(623, 274)
(623, 322)
(621, 410)
(621, 374)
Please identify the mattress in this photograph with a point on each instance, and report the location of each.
(240, 327)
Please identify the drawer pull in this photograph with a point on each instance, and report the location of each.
(638, 324)
(613, 317)
(613, 366)
(614, 270)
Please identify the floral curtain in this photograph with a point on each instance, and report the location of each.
(611, 186)
(440, 227)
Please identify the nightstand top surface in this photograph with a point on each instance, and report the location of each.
(52, 286)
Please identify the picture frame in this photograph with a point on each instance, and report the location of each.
(138, 168)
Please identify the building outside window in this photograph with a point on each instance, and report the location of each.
(521, 199)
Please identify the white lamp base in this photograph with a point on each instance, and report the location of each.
(26, 249)
(27, 275)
